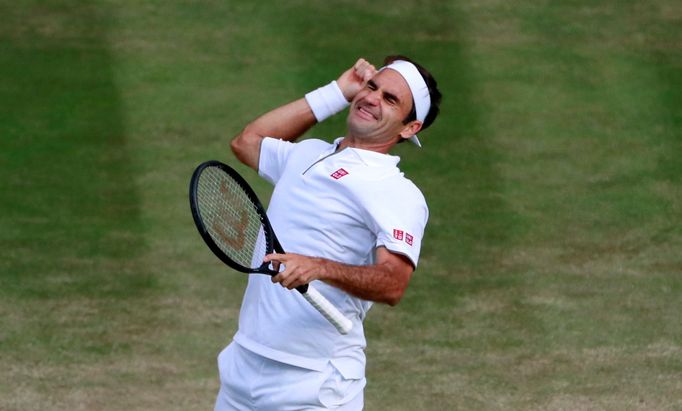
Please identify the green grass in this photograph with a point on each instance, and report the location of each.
(550, 276)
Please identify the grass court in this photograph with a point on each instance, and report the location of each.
(551, 271)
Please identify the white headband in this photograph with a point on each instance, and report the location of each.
(418, 88)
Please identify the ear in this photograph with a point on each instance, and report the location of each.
(411, 129)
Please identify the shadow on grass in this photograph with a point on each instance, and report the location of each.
(69, 210)
(669, 71)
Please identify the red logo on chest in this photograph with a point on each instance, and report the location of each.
(339, 173)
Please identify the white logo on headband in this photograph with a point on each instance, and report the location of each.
(418, 88)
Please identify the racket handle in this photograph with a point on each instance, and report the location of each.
(329, 312)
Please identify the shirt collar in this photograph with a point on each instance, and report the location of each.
(369, 157)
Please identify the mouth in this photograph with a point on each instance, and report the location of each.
(366, 112)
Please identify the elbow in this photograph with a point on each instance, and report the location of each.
(392, 302)
(393, 298)
(246, 147)
(235, 144)
(239, 145)
(397, 285)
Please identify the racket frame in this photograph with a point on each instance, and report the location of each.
(317, 300)
(270, 240)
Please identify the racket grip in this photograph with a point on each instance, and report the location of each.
(331, 313)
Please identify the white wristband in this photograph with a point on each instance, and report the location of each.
(326, 101)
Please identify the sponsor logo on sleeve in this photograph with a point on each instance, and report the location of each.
(400, 235)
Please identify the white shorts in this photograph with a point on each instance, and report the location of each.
(249, 382)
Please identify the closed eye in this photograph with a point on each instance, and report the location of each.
(390, 98)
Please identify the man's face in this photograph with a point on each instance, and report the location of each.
(377, 111)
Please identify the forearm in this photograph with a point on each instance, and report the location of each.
(374, 283)
(385, 281)
(287, 122)
(292, 120)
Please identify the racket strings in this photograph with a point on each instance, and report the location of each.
(231, 218)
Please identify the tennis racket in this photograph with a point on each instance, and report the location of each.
(235, 226)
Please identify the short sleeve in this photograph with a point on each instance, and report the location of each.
(274, 154)
(400, 225)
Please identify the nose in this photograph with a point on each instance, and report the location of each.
(373, 97)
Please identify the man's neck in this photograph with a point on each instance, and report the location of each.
(383, 147)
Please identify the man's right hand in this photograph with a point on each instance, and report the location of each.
(355, 78)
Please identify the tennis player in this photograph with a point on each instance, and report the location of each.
(351, 223)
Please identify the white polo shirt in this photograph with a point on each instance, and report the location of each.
(339, 205)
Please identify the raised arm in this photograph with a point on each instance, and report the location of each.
(292, 120)
(287, 122)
